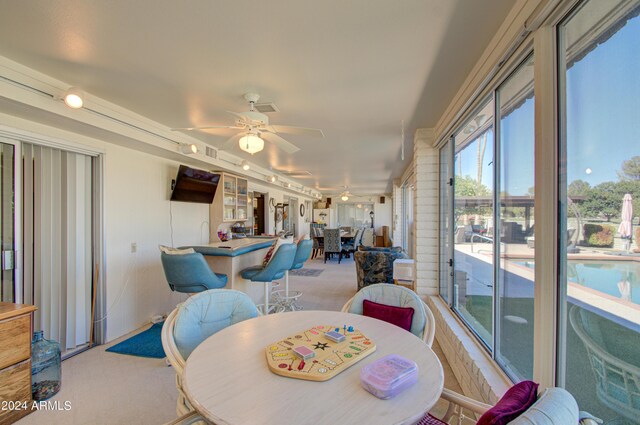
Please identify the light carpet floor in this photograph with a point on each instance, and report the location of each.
(107, 388)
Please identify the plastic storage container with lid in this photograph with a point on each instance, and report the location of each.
(388, 376)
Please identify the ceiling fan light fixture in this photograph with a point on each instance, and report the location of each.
(251, 143)
(245, 165)
(73, 98)
(344, 196)
(188, 148)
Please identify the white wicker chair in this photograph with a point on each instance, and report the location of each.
(617, 381)
(555, 406)
(175, 359)
(429, 330)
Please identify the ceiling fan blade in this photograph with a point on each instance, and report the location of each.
(303, 131)
(209, 127)
(288, 147)
(231, 141)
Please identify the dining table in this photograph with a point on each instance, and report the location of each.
(227, 379)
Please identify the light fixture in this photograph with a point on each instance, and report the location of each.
(288, 185)
(359, 205)
(73, 98)
(245, 165)
(344, 197)
(188, 148)
(272, 178)
(251, 143)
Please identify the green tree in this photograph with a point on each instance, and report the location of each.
(602, 200)
(468, 186)
(578, 188)
(630, 169)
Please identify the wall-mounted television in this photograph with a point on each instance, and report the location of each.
(193, 185)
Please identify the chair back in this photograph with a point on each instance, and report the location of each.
(375, 265)
(303, 252)
(367, 237)
(316, 230)
(206, 313)
(357, 239)
(617, 380)
(189, 273)
(281, 261)
(423, 322)
(555, 406)
(332, 242)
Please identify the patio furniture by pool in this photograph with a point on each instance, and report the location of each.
(625, 228)
(614, 358)
(375, 265)
(555, 406)
(194, 321)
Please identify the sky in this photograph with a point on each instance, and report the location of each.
(603, 120)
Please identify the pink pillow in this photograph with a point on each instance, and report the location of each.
(399, 316)
(513, 403)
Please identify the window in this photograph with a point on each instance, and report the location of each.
(491, 277)
(599, 170)
(515, 274)
(473, 222)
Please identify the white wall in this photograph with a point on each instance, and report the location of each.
(383, 215)
(136, 207)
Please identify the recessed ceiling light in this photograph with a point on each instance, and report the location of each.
(188, 148)
(73, 98)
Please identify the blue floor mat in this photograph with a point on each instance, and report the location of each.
(144, 344)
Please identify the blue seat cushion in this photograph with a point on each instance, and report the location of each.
(249, 272)
(222, 277)
(208, 312)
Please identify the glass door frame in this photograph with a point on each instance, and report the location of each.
(17, 218)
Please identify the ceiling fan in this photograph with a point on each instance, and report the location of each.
(255, 127)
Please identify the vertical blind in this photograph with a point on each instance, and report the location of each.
(57, 197)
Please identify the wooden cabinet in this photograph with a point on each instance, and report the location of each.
(15, 360)
(231, 204)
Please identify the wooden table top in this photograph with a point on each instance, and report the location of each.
(8, 310)
(228, 381)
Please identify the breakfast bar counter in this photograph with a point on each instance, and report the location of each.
(233, 256)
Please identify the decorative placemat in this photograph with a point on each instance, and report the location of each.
(323, 357)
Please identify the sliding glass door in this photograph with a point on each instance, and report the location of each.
(7, 222)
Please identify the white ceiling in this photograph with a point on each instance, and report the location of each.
(353, 68)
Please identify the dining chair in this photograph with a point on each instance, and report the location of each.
(395, 301)
(352, 245)
(275, 269)
(190, 273)
(316, 232)
(195, 320)
(555, 406)
(332, 244)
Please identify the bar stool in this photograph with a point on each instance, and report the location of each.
(286, 300)
(279, 264)
(189, 273)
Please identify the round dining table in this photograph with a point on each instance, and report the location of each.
(227, 379)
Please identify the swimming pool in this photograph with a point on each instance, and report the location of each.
(620, 279)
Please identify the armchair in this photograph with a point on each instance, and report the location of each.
(555, 406)
(375, 265)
